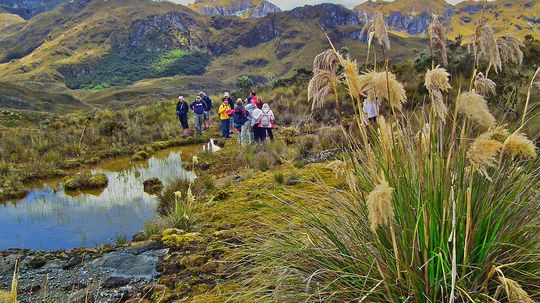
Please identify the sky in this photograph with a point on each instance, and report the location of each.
(288, 4)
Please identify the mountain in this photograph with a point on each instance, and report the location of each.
(240, 8)
(412, 17)
(10, 20)
(120, 52)
(29, 8)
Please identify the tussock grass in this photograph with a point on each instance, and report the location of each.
(431, 212)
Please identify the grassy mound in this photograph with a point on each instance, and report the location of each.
(84, 181)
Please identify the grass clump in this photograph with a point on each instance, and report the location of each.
(431, 213)
(83, 181)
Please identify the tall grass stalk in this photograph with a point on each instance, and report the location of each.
(11, 296)
(459, 232)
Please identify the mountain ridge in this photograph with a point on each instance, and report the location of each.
(238, 8)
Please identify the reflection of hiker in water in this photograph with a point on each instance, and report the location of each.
(182, 109)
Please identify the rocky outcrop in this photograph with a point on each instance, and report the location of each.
(413, 18)
(29, 8)
(240, 8)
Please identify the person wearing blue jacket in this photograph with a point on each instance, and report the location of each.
(182, 109)
(208, 111)
(240, 117)
(199, 108)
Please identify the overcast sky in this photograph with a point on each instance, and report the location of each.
(288, 4)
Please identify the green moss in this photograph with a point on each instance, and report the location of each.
(83, 181)
(180, 240)
(141, 155)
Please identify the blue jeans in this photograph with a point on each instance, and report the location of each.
(225, 128)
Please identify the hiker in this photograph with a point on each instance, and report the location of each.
(258, 134)
(224, 115)
(247, 130)
(371, 109)
(198, 107)
(267, 121)
(182, 109)
(231, 105)
(253, 99)
(240, 119)
(208, 111)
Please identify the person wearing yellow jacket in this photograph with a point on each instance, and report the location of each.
(225, 116)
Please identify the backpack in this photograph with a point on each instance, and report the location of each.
(265, 120)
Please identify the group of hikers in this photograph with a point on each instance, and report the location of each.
(252, 118)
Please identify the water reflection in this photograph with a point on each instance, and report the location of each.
(49, 218)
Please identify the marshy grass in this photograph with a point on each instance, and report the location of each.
(11, 295)
(433, 212)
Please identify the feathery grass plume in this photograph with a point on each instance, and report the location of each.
(437, 78)
(484, 85)
(437, 101)
(499, 133)
(518, 144)
(327, 60)
(377, 28)
(485, 45)
(482, 153)
(437, 38)
(509, 49)
(379, 203)
(475, 107)
(350, 73)
(375, 85)
(514, 292)
(320, 86)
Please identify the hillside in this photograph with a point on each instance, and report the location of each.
(117, 52)
(239, 8)
(29, 8)
(412, 17)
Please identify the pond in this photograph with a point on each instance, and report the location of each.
(51, 219)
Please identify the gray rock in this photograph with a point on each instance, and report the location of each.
(81, 296)
(115, 282)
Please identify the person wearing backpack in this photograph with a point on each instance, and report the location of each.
(198, 107)
(240, 118)
(267, 122)
(182, 109)
(208, 111)
(255, 124)
(224, 115)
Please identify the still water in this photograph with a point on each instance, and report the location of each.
(49, 218)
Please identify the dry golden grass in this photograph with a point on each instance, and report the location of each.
(475, 107)
(484, 85)
(437, 38)
(379, 204)
(378, 86)
(518, 144)
(437, 78)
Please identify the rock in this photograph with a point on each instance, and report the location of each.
(152, 186)
(37, 262)
(75, 286)
(81, 296)
(32, 289)
(130, 265)
(72, 262)
(115, 282)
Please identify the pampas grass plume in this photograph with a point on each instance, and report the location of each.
(518, 144)
(515, 293)
(484, 85)
(483, 152)
(379, 203)
(437, 78)
(475, 107)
